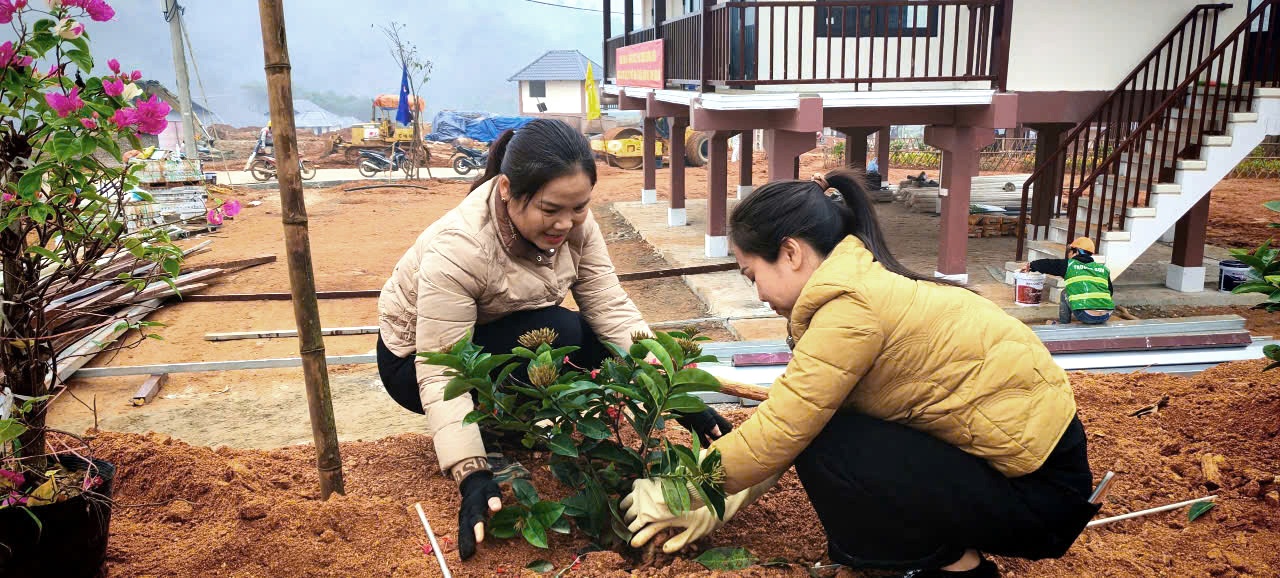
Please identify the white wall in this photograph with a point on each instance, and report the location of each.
(563, 96)
(1093, 44)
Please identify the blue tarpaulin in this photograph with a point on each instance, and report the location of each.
(451, 124)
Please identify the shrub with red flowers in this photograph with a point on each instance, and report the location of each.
(62, 220)
(580, 416)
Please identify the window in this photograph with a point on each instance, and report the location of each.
(876, 21)
(690, 6)
(537, 89)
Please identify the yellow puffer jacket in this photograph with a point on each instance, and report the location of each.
(936, 358)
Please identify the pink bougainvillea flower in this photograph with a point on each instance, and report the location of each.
(6, 11)
(124, 117)
(15, 478)
(6, 53)
(99, 10)
(151, 113)
(54, 71)
(112, 86)
(114, 65)
(214, 217)
(19, 4)
(26, 62)
(231, 207)
(6, 197)
(594, 373)
(135, 75)
(91, 482)
(65, 105)
(89, 123)
(14, 499)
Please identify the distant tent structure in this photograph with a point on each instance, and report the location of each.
(308, 115)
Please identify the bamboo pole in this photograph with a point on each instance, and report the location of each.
(302, 285)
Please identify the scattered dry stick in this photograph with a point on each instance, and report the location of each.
(1153, 408)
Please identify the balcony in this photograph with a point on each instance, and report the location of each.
(858, 43)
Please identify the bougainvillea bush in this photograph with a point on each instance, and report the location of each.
(62, 220)
(602, 427)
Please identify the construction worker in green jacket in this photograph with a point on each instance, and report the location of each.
(1087, 295)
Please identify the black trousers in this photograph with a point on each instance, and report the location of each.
(891, 497)
(499, 336)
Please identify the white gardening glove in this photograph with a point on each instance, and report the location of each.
(647, 513)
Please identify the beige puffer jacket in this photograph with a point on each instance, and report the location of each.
(460, 273)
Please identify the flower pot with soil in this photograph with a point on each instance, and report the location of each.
(66, 536)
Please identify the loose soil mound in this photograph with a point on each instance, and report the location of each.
(252, 512)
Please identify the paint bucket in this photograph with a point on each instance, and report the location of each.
(1233, 273)
(1028, 288)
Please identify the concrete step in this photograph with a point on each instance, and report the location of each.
(1155, 148)
(1194, 114)
(1058, 231)
(1123, 181)
(1145, 162)
(1049, 250)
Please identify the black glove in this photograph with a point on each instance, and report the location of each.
(703, 422)
(476, 490)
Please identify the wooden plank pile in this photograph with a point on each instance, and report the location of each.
(992, 226)
(89, 314)
(997, 190)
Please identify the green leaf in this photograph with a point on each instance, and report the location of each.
(577, 505)
(593, 428)
(563, 445)
(547, 512)
(661, 354)
(1273, 205)
(1198, 509)
(726, 559)
(457, 387)
(676, 495)
(524, 491)
(561, 526)
(10, 429)
(695, 376)
(1253, 287)
(505, 372)
(474, 417)
(445, 359)
(534, 534)
(673, 349)
(685, 403)
(485, 367)
(81, 58)
(30, 181)
(540, 566)
(47, 254)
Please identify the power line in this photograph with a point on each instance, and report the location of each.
(597, 10)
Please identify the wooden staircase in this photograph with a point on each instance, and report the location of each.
(1129, 177)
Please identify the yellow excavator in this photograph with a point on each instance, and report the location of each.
(623, 146)
(381, 131)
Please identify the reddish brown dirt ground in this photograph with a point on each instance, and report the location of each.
(256, 512)
(1236, 216)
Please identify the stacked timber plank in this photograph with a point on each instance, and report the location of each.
(998, 190)
(992, 226)
(90, 313)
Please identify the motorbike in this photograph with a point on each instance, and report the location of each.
(263, 168)
(372, 162)
(465, 159)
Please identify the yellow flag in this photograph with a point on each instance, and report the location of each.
(593, 97)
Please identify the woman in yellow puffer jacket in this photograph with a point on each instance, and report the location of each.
(926, 425)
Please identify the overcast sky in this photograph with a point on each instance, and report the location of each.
(334, 44)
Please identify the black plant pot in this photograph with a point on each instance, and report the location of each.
(72, 539)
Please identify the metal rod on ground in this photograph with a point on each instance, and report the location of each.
(432, 536)
(293, 211)
(1139, 513)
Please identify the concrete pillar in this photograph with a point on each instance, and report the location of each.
(960, 146)
(649, 194)
(1186, 272)
(882, 152)
(855, 146)
(784, 148)
(717, 240)
(676, 215)
(746, 144)
(1047, 189)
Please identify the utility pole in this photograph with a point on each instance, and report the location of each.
(173, 15)
(297, 243)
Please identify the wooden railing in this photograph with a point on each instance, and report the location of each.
(828, 41)
(1136, 151)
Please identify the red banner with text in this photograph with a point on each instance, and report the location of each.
(640, 65)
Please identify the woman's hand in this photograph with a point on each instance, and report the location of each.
(480, 497)
(707, 424)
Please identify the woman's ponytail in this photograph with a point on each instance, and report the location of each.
(801, 210)
(497, 151)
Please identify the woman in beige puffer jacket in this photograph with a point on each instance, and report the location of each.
(499, 265)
